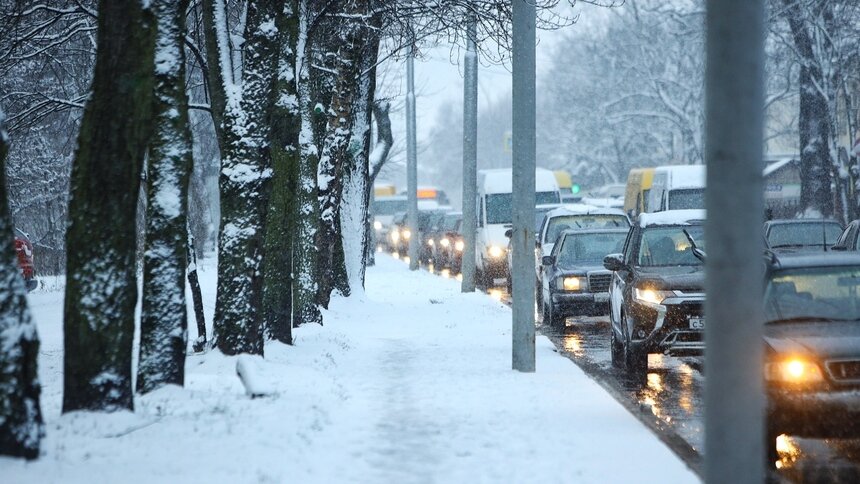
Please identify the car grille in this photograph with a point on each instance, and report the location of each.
(599, 282)
(844, 371)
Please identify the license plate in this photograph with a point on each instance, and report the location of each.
(697, 323)
(601, 297)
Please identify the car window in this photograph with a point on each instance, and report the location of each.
(669, 246)
(577, 249)
(803, 234)
(820, 292)
(557, 225)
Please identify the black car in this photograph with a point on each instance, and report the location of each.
(444, 237)
(801, 234)
(575, 283)
(812, 346)
(657, 291)
(399, 234)
(428, 221)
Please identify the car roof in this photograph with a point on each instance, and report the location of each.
(583, 210)
(796, 221)
(800, 260)
(672, 217)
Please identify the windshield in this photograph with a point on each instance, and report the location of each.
(803, 234)
(557, 225)
(817, 293)
(389, 207)
(499, 205)
(450, 222)
(577, 249)
(669, 246)
(692, 198)
(540, 213)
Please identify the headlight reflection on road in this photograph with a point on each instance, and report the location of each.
(573, 344)
(496, 294)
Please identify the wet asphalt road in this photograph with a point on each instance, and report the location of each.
(671, 403)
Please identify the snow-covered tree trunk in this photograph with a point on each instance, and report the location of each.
(305, 253)
(245, 185)
(384, 142)
(200, 344)
(164, 322)
(101, 288)
(342, 119)
(21, 426)
(281, 224)
(814, 123)
(354, 218)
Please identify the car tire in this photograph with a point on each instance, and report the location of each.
(770, 451)
(635, 360)
(556, 320)
(616, 348)
(544, 314)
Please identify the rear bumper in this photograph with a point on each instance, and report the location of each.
(815, 414)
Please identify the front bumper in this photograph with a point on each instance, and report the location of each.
(814, 414)
(580, 303)
(666, 328)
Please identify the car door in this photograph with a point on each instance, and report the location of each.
(620, 279)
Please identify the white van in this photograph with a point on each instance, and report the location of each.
(495, 197)
(678, 187)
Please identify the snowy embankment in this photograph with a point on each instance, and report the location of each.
(410, 382)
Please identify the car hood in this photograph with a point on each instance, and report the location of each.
(581, 269)
(825, 340)
(678, 278)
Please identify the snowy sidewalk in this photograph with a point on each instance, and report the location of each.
(408, 383)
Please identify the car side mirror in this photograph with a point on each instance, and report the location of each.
(613, 262)
(547, 260)
(509, 233)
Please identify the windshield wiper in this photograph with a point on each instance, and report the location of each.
(808, 319)
(697, 252)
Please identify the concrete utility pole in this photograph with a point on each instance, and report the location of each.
(470, 156)
(524, 152)
(734, 106)
(411, 162)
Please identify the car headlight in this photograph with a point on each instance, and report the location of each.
(495, 251)
(572, 283)
(444, 242)
(407, 234)
(459, 245)
(793, 370)
(431, 242)
(650, 296)
(395, 236)
(377, 225)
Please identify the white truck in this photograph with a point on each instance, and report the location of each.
(678, 187)
(495, 197)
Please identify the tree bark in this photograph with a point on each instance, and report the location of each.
(214, 74)
(384, 142)
(196, 296)
(246, 173)
(21, 425)
(281, 220)
(101, 288)
(164, 322)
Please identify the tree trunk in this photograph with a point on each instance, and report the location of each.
(163, 321)
(281, 224)
(101, 287)
(246, 171)
(196, 296)
(216, 71)
(21, 426)
(816, 164)
(384, 142)
(305, 254)
(336, 150)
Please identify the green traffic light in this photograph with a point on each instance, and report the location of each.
(575, 189)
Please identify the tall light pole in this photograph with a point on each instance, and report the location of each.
(524, 152)
(734, 107)
(411, 162)
(470, 155)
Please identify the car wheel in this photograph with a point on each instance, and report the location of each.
(616, 349)
(635, 360)
(772, 455)
(544, 314)
(555, 320)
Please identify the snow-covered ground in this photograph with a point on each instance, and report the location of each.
(410, 382)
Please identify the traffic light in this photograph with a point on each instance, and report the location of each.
(575, 188)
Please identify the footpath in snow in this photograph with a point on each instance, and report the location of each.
(410, 382)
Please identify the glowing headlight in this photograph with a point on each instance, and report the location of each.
(377, 225)
(431, 242)
(793, 370)
(444, 242)
(459, 245)
(650, 296)
(572, 283)
(407, 234)
(495, 251)
(395, 236)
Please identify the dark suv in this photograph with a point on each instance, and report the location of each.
(812, 346)
(657, 291)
